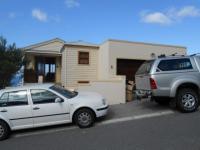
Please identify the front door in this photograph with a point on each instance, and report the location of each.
(45, 109)
(15, 107)
(46, 67)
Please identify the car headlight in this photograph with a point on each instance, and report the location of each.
(103, 101)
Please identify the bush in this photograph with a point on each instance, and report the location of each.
(11, 60)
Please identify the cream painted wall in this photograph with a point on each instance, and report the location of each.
(72, 72)
(113, 89)
(103, 65)
(58, 69)
(50, 47)
(133, 50)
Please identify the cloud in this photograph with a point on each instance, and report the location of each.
(39, 15)
(72, 3)
(156, 18)
(170, 16)
(189, 11)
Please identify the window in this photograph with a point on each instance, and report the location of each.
(175, 64)
(43, 96)
(83, 58)
(14, 99)
(4, 100)
(64, 92)
(145, 68)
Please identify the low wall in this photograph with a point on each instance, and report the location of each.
(113, 89)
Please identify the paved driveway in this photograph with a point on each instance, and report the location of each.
(135, 108)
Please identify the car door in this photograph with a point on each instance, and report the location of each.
(15, 107)
(46, 111)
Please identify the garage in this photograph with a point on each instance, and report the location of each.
(128, 67)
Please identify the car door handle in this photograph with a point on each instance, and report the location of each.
(36, 108)
(4, 110)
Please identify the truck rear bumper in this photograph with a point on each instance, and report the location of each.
(143, 94)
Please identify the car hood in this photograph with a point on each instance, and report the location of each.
(88, 97)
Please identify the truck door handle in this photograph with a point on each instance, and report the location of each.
(36, 108)
(4, 110)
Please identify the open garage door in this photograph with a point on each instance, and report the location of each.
(128, 67)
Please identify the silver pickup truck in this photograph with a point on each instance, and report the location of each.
(174, 78)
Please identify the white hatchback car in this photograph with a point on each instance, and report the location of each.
(47, 104)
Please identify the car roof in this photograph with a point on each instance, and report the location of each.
(28, 86)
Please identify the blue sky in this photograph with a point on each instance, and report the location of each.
(175, 22)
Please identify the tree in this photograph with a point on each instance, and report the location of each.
(11, 60)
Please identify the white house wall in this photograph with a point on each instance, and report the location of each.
(103, 65)
(72, 72)
(50, 47)
(113, 90)
(138, 51)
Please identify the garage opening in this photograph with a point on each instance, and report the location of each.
(128, 67)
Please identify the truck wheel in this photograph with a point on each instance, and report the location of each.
(4, 130)
(187, 100)
(84, 118)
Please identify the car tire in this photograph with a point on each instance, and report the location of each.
(4, 130)
(84, 118)
(187, 100)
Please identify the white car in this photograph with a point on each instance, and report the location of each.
(47, 104)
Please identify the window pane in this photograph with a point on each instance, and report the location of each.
(66, 93)
(83, 58)
(175, 64)
(43, 96)
(17, 98)
(3, 100)
(46, 69)
(145, 68)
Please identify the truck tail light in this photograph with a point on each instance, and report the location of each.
(153, 84)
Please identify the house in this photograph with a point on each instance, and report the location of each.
(102, 68)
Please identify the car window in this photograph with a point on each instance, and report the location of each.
(64, 92)
(42, 96)
(14, 99)
(145, 68)
(3, 99)
(175, 64)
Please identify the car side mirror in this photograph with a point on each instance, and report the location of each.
(59, 100)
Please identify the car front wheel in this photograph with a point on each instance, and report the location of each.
(187, 100)
(4, 130)
(84, 118)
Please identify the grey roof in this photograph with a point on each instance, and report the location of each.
(146, 43)
(81, 43)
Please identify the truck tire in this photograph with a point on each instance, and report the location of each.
(187, 100)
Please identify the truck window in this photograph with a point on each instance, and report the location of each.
(175, 64)
(145, 68)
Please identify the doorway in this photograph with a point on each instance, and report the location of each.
(46, 67)
(128, 67)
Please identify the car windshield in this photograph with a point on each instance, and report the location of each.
(145, 67)
(66, 93)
